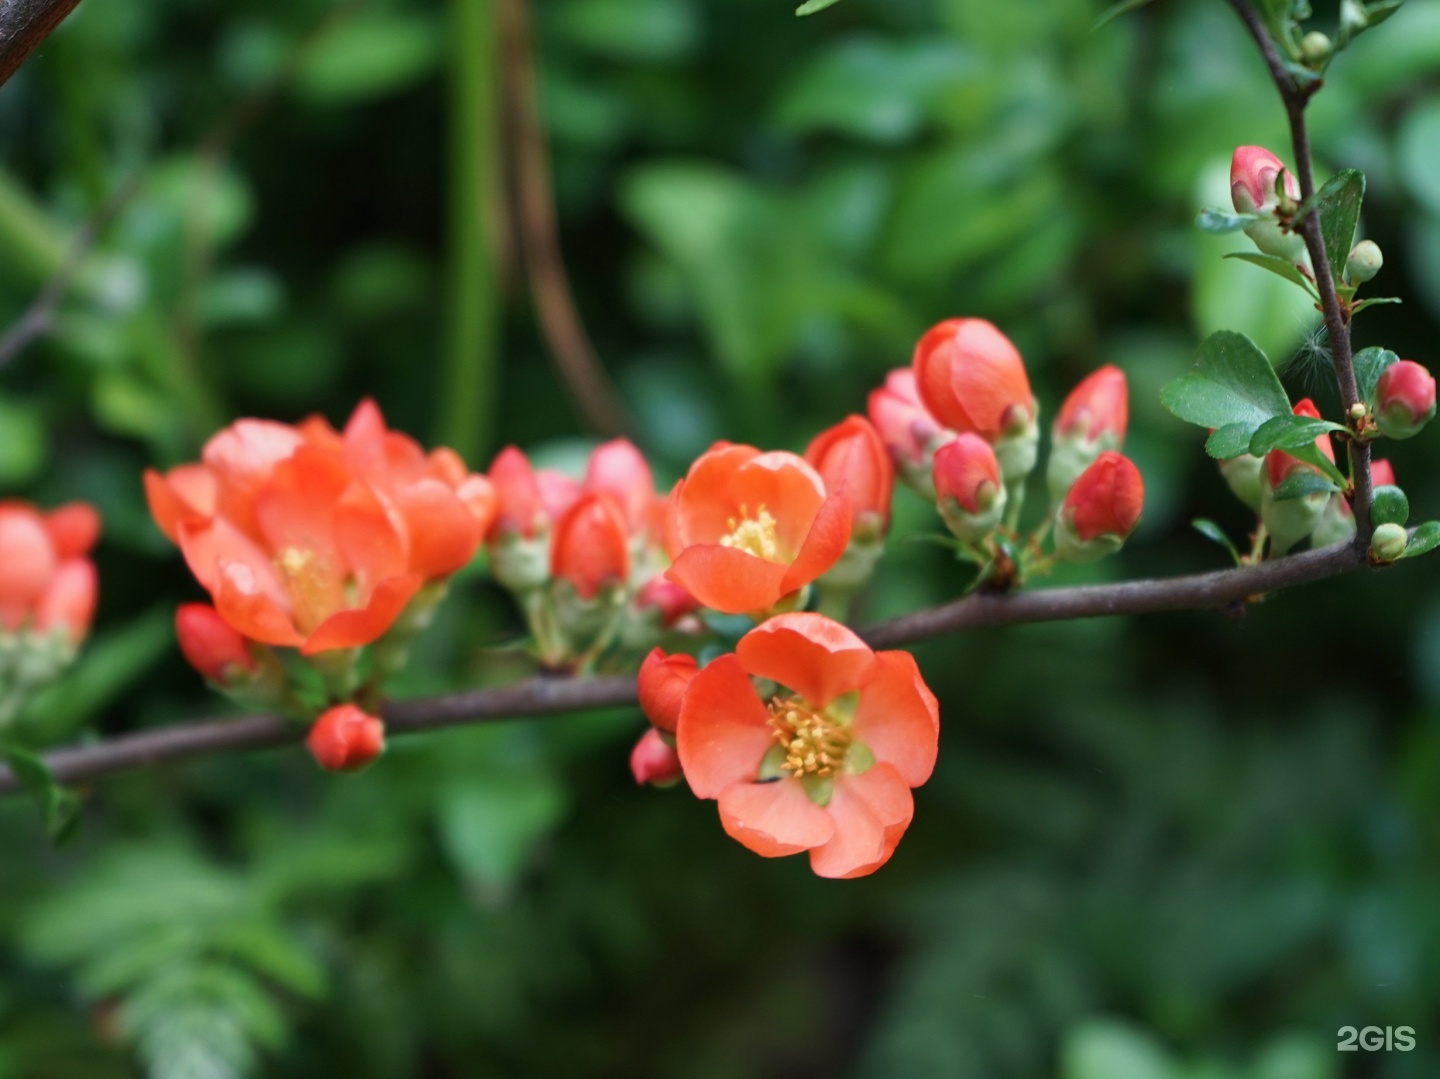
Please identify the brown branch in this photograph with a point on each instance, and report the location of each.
(1337, 324)
(24, 24)
(554, 696)
(560, 323)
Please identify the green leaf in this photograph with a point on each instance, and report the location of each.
(1338, 204)
(1110, 1049)
(1303, 482)
(1232, 383)
(59, 808)
(810, 7)
(1370, 364)
(1371, 302)
(1229, 441)
(1289, 433)
(1219, 221)
(1123, 7)
(1423, 540)
(1213, 532)
(1390, 506)
(370, 56)
(1276, 265)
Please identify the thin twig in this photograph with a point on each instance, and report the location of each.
(555, 696)
(39, 317)
(590, 387)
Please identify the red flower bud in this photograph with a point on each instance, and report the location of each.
(1279, 464)
(1098, 407)
(905, 425)
(27, 560)
(70, 599)
(967, 472)
(1253, 170)
(619, 470)
(210, 645)
(672, 601)
(654, 760)
(345, 739)
(971, 378)
(1404, 399)
(851, 454)
(662, 684)
(519, 509)
(1101, 509)
(73, 529)
(591, 548)
(558, 492)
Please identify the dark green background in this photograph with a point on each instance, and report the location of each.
(1178, 848)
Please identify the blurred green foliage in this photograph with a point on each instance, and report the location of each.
(1183, 848)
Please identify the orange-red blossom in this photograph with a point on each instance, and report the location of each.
(46, 580)
(310, 538)
(826, 760)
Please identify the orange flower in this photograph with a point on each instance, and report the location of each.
(851, 455)
(314, 539)
(591, 549)
(748, 529)
(345, 739)
(971, 378)
(46, 580)
(662, 683)
(827, 764)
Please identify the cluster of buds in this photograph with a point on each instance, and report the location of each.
(962, 428)
(47, 596)
(585, 558)
(335, 544)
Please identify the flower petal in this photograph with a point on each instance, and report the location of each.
(727, 578)
(360, 626)
(251, 609)
(816, 657)
(871, 812)
(706, 503)
(443, 532)
(898, 717)
(210, 545)
(824, 544)
(774, 819)
(723, 729)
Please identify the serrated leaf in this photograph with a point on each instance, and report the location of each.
(810, 7)
(1370, 364)
(1220, 221)
(1213, 532)
(1389, 506)
(1338, 204)
(1123, 7)
(1303, 482)
(1229, 441)
(1231, 384)
(1289, 433)
(1276, 265)
(1424, 539)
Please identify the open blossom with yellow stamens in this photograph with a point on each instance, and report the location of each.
(826, 765)
(747, 530)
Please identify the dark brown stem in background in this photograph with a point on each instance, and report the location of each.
(1337, 325)
(555, 696)
(24, 24)
(560, 323)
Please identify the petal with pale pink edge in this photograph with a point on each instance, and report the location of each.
(898, 717)
(774, 819)
(871, 812)
(723, 730)
(727, 578)
(360, 626)
(813, 655)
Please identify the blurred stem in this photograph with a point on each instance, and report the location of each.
(467, 390)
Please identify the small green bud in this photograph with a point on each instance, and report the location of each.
(1388, 543)
(1357, 411)
(1315, 48)
(1364, 262)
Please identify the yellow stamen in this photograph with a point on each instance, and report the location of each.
(814, 744)
(753, 535)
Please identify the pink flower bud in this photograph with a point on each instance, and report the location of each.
(70, 599)
(519, 509)
(1253, 170)
(905, 425)
(968, 491)
(662, 684)
(591, 548)
(1404, 400)
(73, 529)
(345, 739)
(851, 454)
(619, 470)
(654, 761)
(27, 560)
(210, 645)
(1098, 408)
(1100, 510)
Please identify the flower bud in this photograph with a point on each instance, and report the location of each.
(345, 739)
(619, 470)
(1100, 510)
(1254, 171)
(654, 761)
(1315, 48)
(851, 454)
(69, 601)
(971, 378)
(211, 646)
(1364, 262)
(1290, 520)
(1242, 475)
(591, 548)
(73, 529)
(1092, 419)
(1404, 400)
(519, 509)
(27, 561)
(968, 490)
(909, 432)
(1388, 542)
(670, 601)
(662, 683)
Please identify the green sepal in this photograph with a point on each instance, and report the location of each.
(819, 789)
(858, 759)
(772, 765)
(1220, 221)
